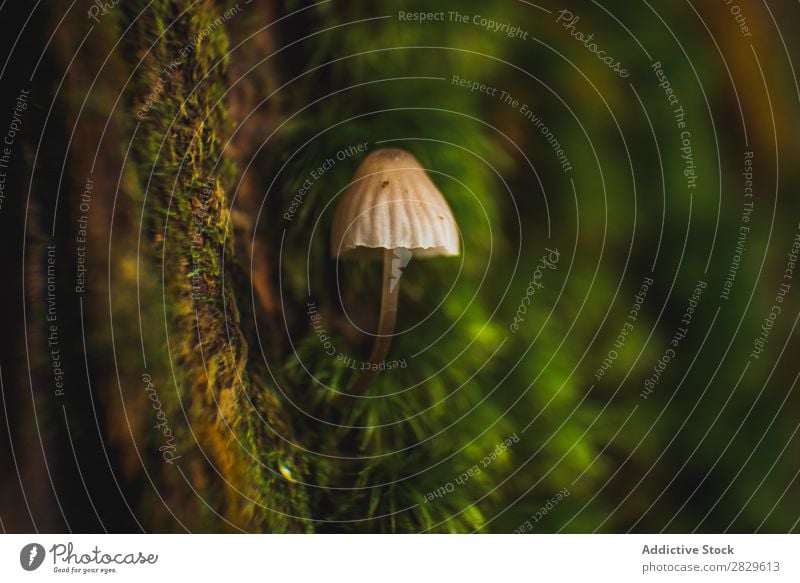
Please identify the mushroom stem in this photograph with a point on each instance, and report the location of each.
(388, 317)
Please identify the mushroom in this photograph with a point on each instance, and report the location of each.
(393, 211)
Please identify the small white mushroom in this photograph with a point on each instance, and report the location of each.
(393, 211)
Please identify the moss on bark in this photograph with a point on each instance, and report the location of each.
(241, 461)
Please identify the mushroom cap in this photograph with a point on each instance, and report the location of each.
(391, 203)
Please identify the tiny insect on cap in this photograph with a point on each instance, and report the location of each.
(392, 203)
